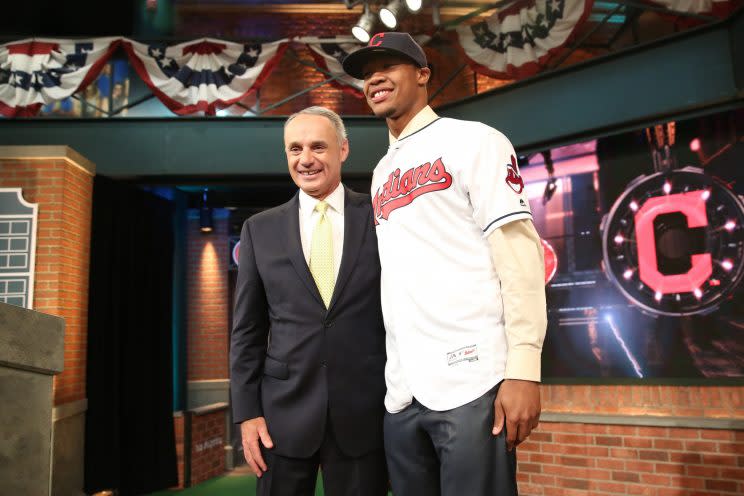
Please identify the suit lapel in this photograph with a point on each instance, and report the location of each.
(355, 226)
(294, 247)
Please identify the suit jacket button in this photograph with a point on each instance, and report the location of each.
(323, 363)
(329, 323)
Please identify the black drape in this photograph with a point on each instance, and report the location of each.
(129, 438)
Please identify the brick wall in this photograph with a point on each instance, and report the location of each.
(207, 445)
(207, 319)
(61, 182)
(579, 459)
(582, 458)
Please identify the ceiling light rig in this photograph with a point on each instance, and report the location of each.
(414, 5)
(390, 15)
(365, 26)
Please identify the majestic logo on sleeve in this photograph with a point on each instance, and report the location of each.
(401, 189)
(513, 179)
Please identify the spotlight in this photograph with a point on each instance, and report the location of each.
(414, 5)
(391, 13)
(205, 214)
(364, 26)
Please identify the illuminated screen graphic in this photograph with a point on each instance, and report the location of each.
(672, 242)
(648, 279)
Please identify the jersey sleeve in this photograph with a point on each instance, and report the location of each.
(496, 190)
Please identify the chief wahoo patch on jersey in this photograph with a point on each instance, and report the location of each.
(513, 179)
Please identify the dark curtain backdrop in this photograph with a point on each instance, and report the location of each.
(129, 438)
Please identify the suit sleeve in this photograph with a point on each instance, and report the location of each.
(249, 336)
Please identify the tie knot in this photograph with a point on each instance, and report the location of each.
(321, 207)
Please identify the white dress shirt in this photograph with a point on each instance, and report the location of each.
(309, 219)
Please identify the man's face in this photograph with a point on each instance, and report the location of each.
(314, 155)
(393, 85)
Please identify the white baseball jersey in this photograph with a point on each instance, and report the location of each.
(437, 194)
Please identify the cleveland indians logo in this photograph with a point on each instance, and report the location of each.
(401, 189)
(513, 179)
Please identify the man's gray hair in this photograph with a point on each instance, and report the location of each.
(329, 114)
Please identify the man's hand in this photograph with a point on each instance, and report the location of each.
(518, 404)
(251, 431)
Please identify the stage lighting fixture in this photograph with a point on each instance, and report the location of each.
(390, 14)
(365, 25)
(205, 214)
(414, 5)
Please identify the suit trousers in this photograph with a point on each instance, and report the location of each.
(449, 453)
(342, 475)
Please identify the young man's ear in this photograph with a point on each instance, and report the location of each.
(424, 75)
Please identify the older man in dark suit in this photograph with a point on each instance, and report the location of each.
(308, 345)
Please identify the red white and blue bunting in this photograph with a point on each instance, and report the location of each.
(206, 75)
(328, 53)
(198, 76)
(203, 75)
(35, 72)
(518, 41)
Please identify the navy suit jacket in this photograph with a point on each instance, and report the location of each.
(291, 360)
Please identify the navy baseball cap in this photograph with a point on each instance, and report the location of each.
(390, 43)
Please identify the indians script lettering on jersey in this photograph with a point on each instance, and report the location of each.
(401, 189)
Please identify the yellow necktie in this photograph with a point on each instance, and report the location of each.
(321, 255)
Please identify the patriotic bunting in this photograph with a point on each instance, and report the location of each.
(207, 74)
(518, 41)
(35, 72)
(328, 53)
(204, 75)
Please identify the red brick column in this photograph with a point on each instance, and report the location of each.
(208, 326)
(60, 181)
(208, 331)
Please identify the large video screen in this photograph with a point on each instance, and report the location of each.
(644, 252)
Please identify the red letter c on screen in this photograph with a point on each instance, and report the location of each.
(692, 206)
(376, 39)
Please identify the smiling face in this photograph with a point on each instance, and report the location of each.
(314, 154)
(395, 89)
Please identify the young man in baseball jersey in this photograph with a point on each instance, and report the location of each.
(463, 295)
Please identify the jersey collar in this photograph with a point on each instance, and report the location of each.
(425, 117)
